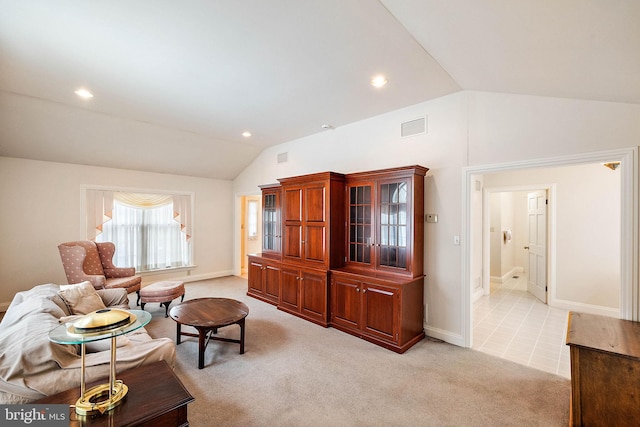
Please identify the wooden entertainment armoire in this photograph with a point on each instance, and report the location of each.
(346, 251)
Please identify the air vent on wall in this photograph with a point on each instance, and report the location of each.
(282, 157)
(414, 127)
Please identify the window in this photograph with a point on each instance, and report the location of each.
(252, 220)
(150, 231)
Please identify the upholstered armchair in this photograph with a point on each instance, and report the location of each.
(85, 260)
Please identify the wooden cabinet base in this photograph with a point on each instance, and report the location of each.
(156, 398)
(313, 319)
(382, 343)
(264, 279)
(383, 309)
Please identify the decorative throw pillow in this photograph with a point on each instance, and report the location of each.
(81, 298)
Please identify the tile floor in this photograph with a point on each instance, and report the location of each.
(512, 324)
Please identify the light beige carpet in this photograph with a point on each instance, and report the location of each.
(295, 373)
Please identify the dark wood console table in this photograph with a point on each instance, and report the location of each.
(605, 370)
(156, 398)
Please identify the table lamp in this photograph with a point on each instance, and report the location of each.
(95, 326)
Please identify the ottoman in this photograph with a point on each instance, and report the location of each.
(163, 292)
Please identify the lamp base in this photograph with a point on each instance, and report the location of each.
(96, 400)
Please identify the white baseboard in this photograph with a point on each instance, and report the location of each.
(585, 308)
(193, 278)
(508, 275)
(446, 336)
(207, 276)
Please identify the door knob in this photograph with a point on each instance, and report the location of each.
(526, 247)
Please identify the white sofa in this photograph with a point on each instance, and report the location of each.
(31, 366)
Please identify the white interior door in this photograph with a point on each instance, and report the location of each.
(537, 244)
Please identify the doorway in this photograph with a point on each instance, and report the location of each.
(515, 322)
(250, 228)
(518, 231)
(627, 305)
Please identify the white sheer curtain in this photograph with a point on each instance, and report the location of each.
(145, 233)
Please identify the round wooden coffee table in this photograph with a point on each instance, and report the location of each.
(207, 315)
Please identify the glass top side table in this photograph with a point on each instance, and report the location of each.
(102, 397)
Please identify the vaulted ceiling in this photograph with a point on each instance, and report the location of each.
(176, 83)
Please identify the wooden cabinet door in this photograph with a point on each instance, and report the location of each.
(292, 222)
(345, 302)
(305, 222)
(314, 223)
(271, 281)
(290, 289)
(313, 290)
(380, 305)
(255, 277)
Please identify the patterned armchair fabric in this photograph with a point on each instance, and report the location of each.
(87, 260)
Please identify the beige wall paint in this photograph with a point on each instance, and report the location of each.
(41, 209)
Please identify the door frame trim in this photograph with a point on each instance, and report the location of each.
(629, 292)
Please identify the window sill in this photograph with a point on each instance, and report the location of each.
(166, 270)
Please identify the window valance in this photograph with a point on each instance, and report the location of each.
(100, 208)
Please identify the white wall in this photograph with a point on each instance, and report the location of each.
(41, 209)
(508, 259)
(464, 129)
(521, 230)
(495, 233)
(503, 217)
(507, 128)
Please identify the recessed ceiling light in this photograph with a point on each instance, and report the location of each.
(83, 93)
(379, 81)
(246, 134)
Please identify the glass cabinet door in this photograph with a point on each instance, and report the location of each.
(270, 223)
(393, 204)
(360, 224)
